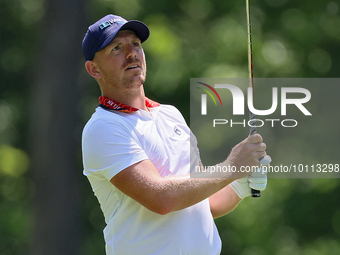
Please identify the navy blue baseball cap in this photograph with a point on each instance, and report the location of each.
(101, 33)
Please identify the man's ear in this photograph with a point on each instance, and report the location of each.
(92, 69)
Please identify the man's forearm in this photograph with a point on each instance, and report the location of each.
(182, 192)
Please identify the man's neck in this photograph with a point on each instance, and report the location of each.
(134, 98)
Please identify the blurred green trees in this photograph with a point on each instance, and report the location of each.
(189, 39)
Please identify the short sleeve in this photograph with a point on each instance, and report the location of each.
(109, 148)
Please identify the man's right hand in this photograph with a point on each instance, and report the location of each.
(247, 153)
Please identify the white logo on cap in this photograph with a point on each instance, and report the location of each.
(110, 22)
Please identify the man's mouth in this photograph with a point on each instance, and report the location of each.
(132, 67)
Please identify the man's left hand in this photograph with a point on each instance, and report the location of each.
(256, 180)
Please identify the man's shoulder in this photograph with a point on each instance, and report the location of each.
(169, 109)
(102, 118)
(172, 112)
(99, 114)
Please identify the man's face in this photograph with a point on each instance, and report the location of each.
(122, 63)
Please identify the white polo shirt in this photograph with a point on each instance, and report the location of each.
(114, 140)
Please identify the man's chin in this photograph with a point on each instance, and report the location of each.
(135, 81)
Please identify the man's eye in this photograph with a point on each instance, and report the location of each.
(136, 44)
(116, 48)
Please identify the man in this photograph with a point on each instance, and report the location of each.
(136, 155)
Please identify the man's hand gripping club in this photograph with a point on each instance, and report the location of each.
(258, 178)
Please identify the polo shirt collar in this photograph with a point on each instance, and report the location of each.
(111, 104)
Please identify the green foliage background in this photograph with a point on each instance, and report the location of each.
(189, 39)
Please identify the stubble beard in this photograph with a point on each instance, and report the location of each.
(130, 83)
(126, 83)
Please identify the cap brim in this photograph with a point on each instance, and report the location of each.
(136, 26)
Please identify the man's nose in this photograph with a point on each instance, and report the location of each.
(131, 52)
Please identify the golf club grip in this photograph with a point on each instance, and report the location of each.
(255, 192)
(252, 118)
